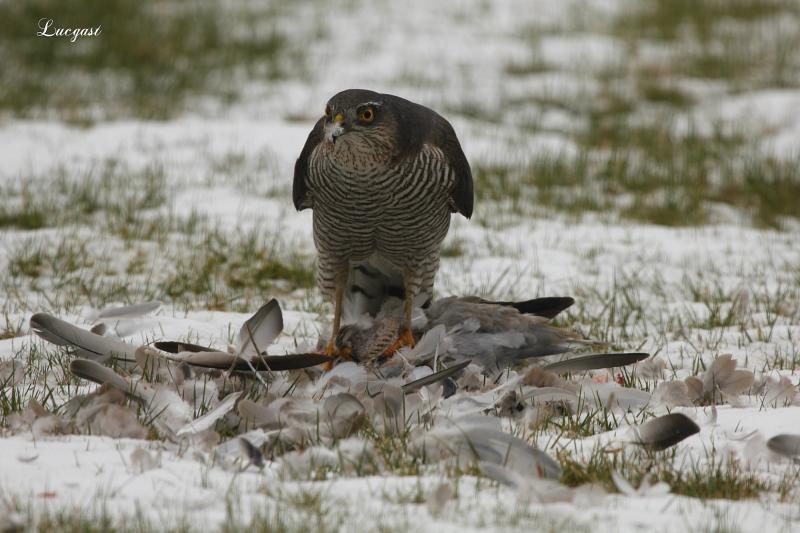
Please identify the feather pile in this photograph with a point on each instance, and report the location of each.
(479, 372)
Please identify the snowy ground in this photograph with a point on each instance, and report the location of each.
(185, 210)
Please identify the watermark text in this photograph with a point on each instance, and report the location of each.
(48, 28)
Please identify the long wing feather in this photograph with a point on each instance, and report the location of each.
(178, 347)
(547, 307)
(94, 371)
(86, 343)
(596, 361)
(225, 361)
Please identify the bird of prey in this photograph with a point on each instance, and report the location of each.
(382, 176)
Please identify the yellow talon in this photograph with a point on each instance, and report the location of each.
(406, 339)
(342, 353)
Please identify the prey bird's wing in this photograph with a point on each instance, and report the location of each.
(547, 307)
(300, 192)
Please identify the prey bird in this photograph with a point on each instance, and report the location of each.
(382, 176)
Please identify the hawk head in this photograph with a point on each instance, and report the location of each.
(360, 123)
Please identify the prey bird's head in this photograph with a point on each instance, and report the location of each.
(360, 121)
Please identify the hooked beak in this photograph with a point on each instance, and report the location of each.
(336, 127)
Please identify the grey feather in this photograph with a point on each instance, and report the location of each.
(722, 377)
(369, 286)
(547, 307)
(208, 420)
(495, 335)
(86, 343)
(595, 361)
(257, 415)
(435, 377)
(260, 330)
(665, 431)
(261, 363)
(251, 452)
(94, 371)
(178, 347)
(479, 438)
(785, 444)
(343, 414)
(129, 311)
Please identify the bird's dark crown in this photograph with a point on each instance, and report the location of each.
(351, 98)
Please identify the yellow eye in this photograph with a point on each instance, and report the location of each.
(367, 115)
(327, 111)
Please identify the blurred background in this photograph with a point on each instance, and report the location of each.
(629, 106)
(676, 113)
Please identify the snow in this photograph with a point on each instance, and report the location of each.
(417, 58)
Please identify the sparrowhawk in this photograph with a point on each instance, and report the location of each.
(382, 176)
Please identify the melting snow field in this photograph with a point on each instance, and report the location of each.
(184, 211)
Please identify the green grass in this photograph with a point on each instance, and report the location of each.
(667, 19)
(649, 173)
(107, 192)
(748, 43)
(209, 268)
(110, 233)
(233, 271)
(717, 479)
(630, 160)
(148, 62)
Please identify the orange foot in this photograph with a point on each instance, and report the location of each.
(332, 351)
(406, 339)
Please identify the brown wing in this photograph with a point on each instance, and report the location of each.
(300, 185)
(418, 125)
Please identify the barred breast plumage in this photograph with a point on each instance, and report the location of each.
(384, 216)
(383, 176)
